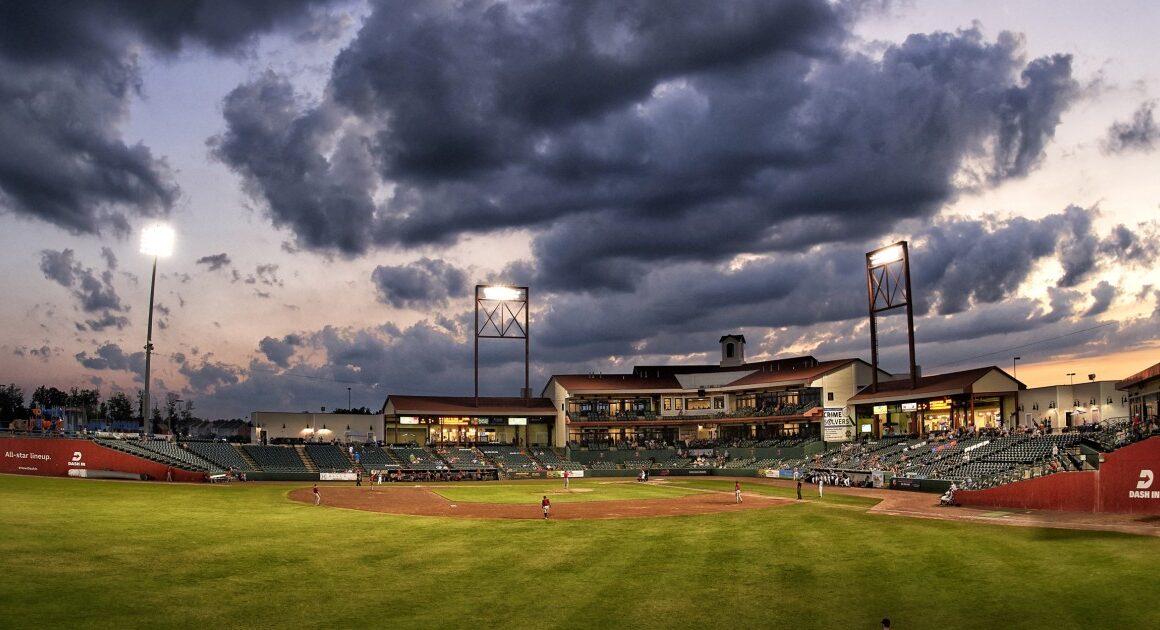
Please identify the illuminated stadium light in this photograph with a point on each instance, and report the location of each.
(157, 240)
(503, 293)
(886, 255)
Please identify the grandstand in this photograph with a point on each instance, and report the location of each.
(191, 459)
(375, 458)
(510, 458)
(328, 457)
(417, 457)
(223, 454)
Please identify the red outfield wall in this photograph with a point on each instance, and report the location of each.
(1128, 479)
(55, 457)
(1125, 482)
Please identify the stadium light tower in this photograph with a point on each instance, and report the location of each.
(888, 287)
(156, 241)
(503, 308)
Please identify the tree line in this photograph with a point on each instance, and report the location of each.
(176, 416)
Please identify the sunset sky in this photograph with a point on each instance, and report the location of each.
(341, 174)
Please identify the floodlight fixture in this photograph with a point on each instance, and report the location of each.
(157, 240)
(503, 293)
(886, 255)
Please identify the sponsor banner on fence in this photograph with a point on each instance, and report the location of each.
(337, 476)
(901, 483)
(679, 472)
(559, 474)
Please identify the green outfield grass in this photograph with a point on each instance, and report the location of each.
(530, 492)
(80, 554)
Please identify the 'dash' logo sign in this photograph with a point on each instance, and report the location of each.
(1145, 482)
(76, 460)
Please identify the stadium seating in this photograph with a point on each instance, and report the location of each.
(417, 458)
(510, 458)
(375, 458)
(549, 459)
(328, 457)
(193, 460)
(276, 458)
(223, 454)
(140, 450)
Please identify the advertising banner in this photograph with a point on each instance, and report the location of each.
(837, 427)
(57, 457)
(337, 476)
(1128, 480)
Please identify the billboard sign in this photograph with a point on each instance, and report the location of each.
(836, 426)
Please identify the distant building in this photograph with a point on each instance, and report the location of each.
(1142, 392)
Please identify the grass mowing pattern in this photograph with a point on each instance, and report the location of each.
(76, 553)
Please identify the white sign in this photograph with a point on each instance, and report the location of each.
(836, 426)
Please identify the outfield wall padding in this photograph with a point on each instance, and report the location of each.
(1066, 491)
(1125, 482)
(55, 457)
(1128, 479)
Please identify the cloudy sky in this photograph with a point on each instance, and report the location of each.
(341, 174)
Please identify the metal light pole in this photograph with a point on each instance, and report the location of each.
(1015, 375)
(888, 287)
(156, 241)
(503, 308)
(348, 400)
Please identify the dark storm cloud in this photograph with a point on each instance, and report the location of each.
(108, 320)
(1138, 245)
(629, 134)
(44, 352)
(110, 258)
(1140, 134)
(94, 31)
(93, 290)
(1103, 294)
(215, 262)
(68, 71)
(958, 266)
(64, 161)
(423, 283)
(208, 375)
(110, 356)
(279, 351)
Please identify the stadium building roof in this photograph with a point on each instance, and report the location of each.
(675, 378)
(466, 406)
(1143, 376)
(976, 381)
